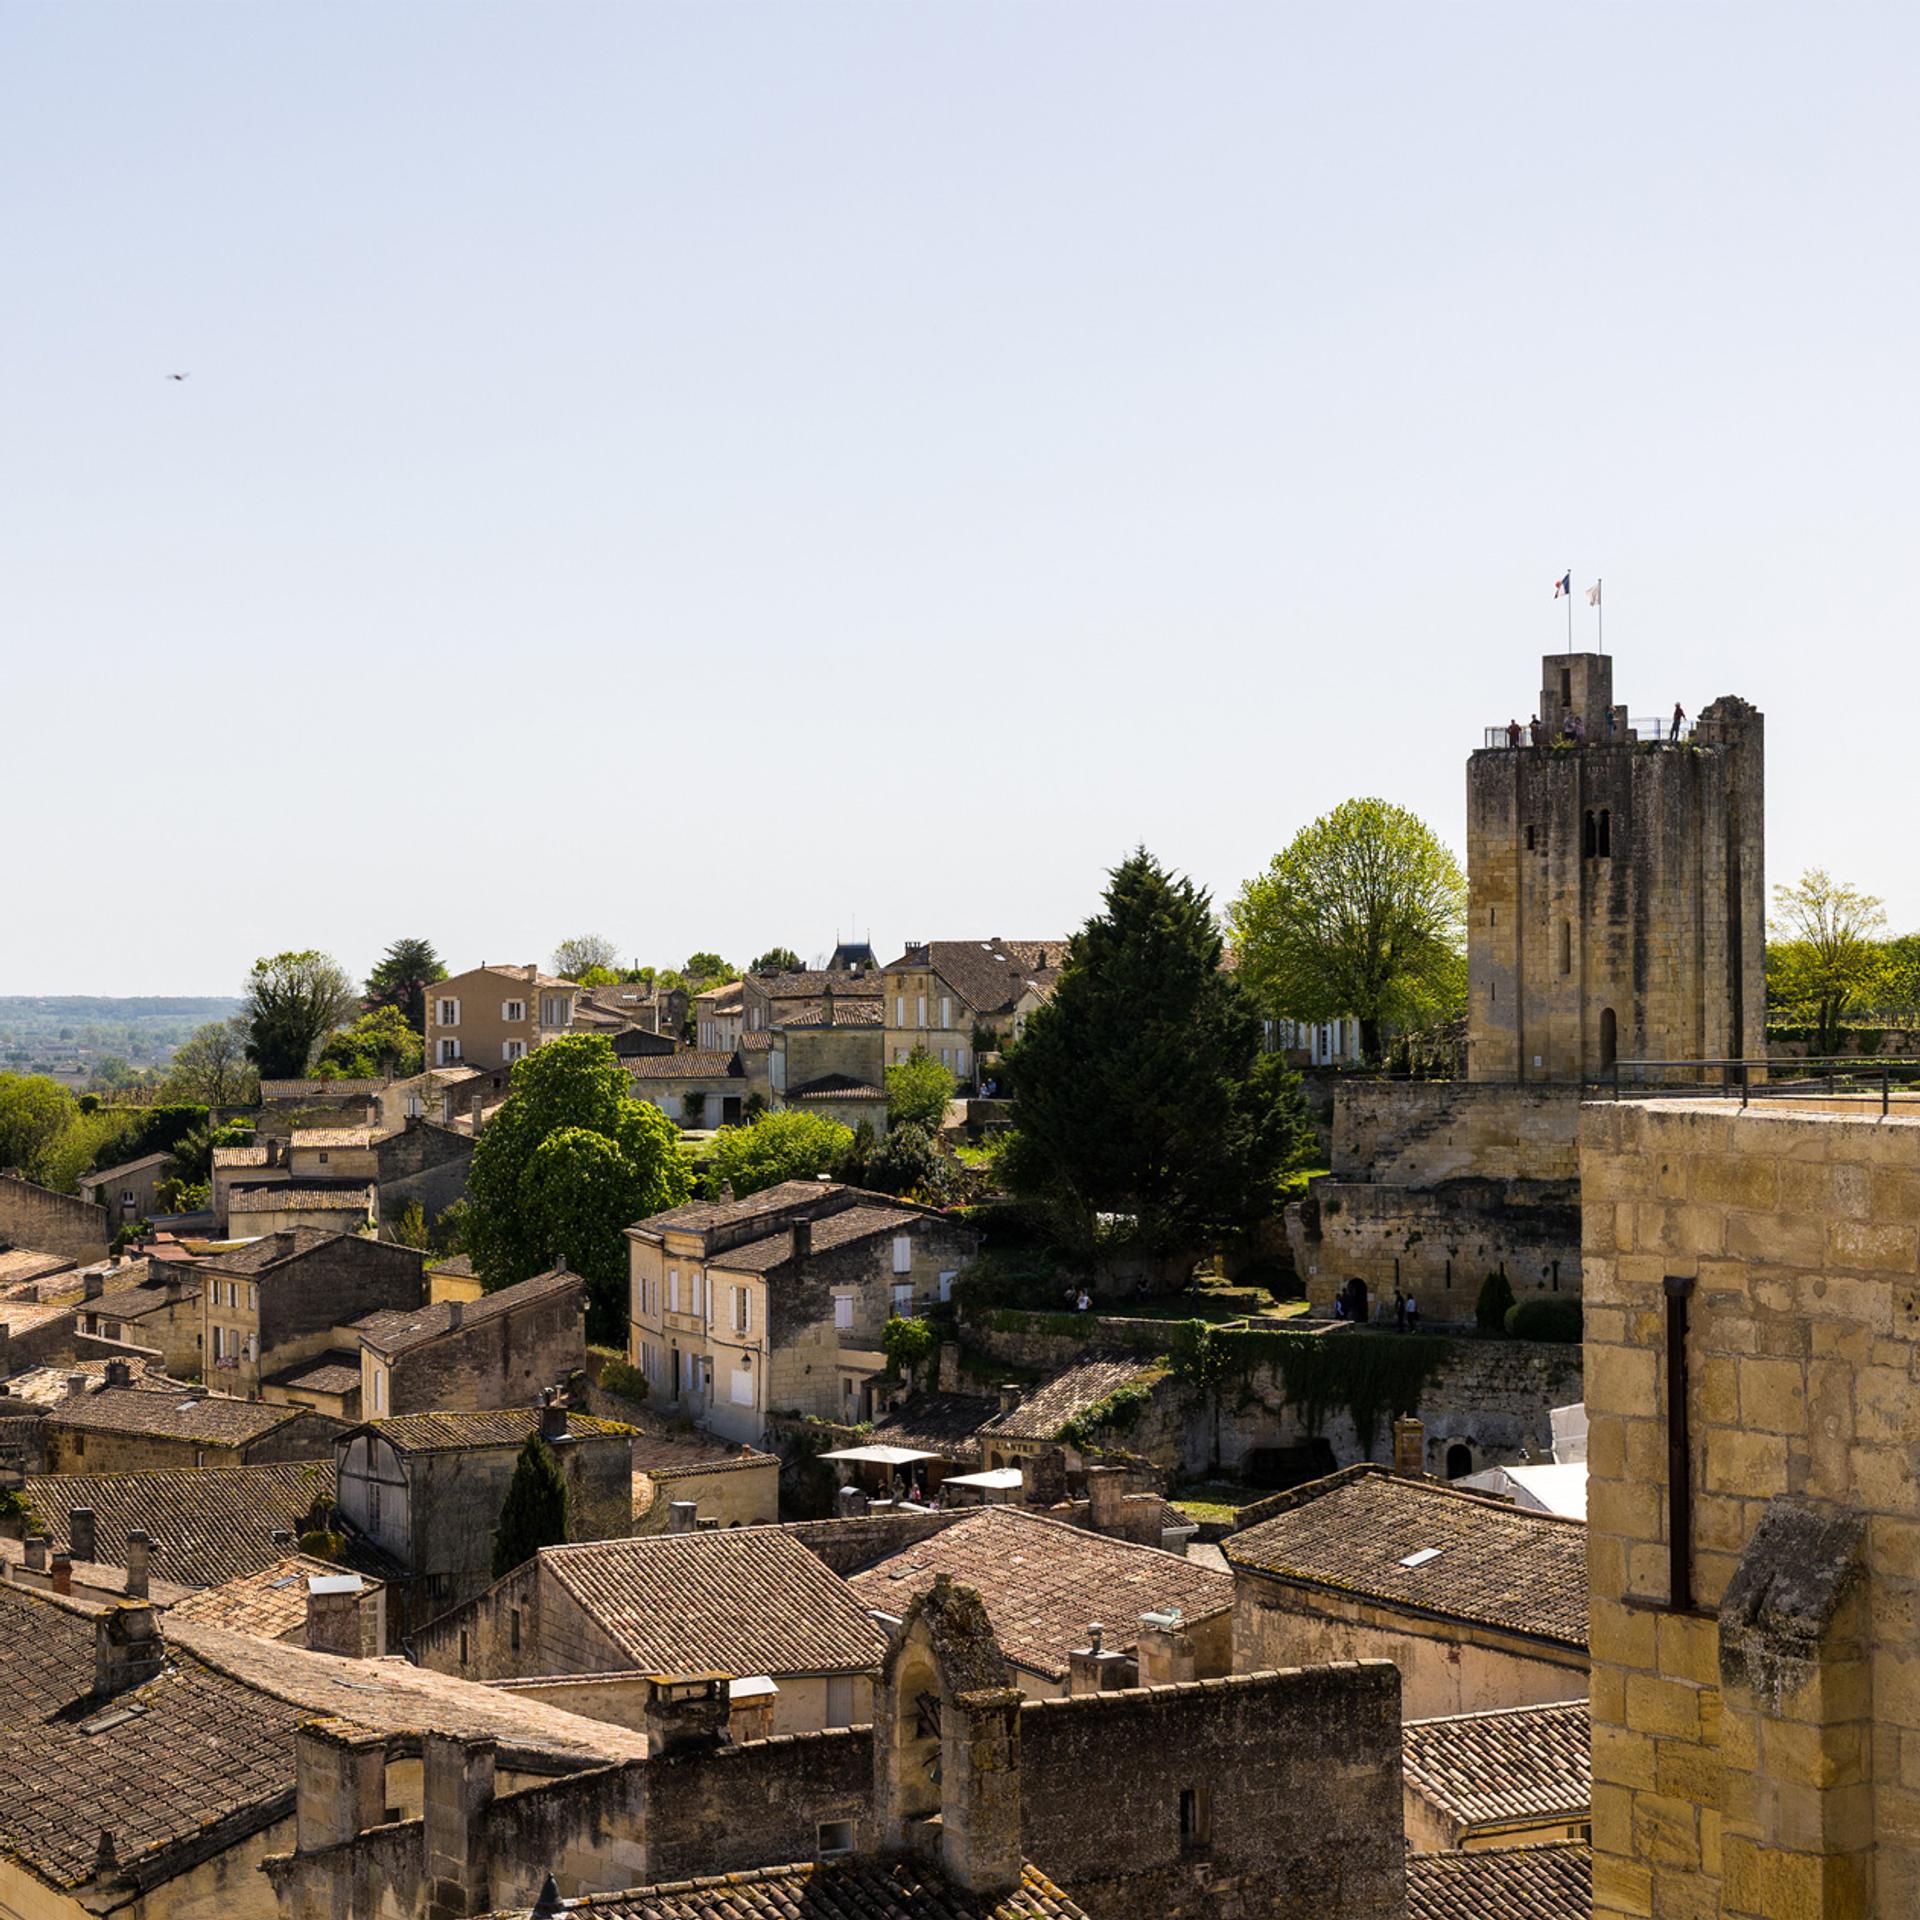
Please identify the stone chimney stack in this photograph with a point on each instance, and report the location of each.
(687, 1713)
(335, 1604)
(83, 1539)
(139, 1564)
(980, 1790)
(456, 1311)
(553, 1416)
(1010, 1397)
(1106, 1495)
(38, 1545)
(457, 1789)
(92, 1285)
(127, 1648)
(1096, 1668)
(119, 1373)
(850, 1503)
(802, 1236)
(1164, 1651)
(681, 1515)
(1410, 1448)
(76, 1385)
(340, 1774)
(62, 1571)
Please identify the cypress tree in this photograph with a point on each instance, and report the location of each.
(534, 1513)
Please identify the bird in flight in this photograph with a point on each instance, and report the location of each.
(178, 376)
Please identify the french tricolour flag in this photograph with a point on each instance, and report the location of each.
(1563, 587)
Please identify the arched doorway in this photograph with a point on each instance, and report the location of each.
(1459, 1460)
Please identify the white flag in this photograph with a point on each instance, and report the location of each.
(1593, 594)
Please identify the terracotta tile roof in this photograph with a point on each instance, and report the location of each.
(390, 1331)
(684, 1452)
(459, 1266)
(836, 1086)
(850, 1889)
(49, 1386)
(1502, 1883)
(743, 1600)
(986, 974)
(268, 1604)
(502, 1427)
(199, 1749)
(836, 1230)
(22, 1316)
(944, 1423)
(335, 1371)
(242, 1156)
(702, 1216)
(341, 1200)
(331, 1137)
(285, 1243)
(1515, 1763)
(208, 1524)
(271, 1090)
(129, 1303)
(688, 1063)
(1044, 1582)
(101, 1175)
(22, 1263)
(1497, 1565)
(212, 1419)
(839, 1012)
(813, 983)
(1067, 1394)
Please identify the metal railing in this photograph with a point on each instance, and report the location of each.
(1865, 1076)
(1639, 731)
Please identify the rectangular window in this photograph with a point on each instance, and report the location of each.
(673, 1289)
(902, 1253)
(449, 1014)
(946, 1283)
(699, 1295)
(903, 1297)
(960, 1061)
(839, 1699)
(742, 1387)
(513, 1627)
(1196, 1817)
(946, 1010)
(513, 1012)
(900, 1010)
(449, 1052)
(379, 1393)
(512, 1050)
(413, 1106)
(920, 1003)
(836, 1836)
(843, 1311)
(742, 1310)
(463, 1646)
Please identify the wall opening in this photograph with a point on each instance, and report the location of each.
(1609, 1038)
(1566, 946)
(1529, 839)
(1459, 1460)
(1589, 835)
(1605, 835)
(1196, 1817)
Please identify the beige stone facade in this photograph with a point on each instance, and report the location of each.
(491, 1016)
(1756, 1658)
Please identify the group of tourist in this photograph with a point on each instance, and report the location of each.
(1574, 728)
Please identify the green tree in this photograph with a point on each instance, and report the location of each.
(1826, 954)
(34, 1113)
(708, 966)
(585, 951)
(211, 1067)
(380, 1042)
(534, 1513)
(410, 1230)
(905, 1162)
(791, 1144)
(293, 1001)
(401, 977)
(598, 977)
(918, 1089)
(774, 960)
(1143, 1090)
(1362, 915)
(523, 1214)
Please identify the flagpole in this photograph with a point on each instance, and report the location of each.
(1568, 577)
(1600, 609)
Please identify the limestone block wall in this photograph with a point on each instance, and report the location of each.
(1419, 1132)
(1785, 1784)
(49, 1222)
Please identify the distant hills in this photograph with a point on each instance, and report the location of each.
(69, 1035)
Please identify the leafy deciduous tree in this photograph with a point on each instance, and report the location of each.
(1143, 1091)
(377, 1043)
(401, 977)
(569, 1160)
(1825, 953)
(34, 1113)
(572, 958)
(791, 1144)
(1362, 915)
(918, 1090)
(534, 1513)
(293, 1001)
(211, 1067)
(777, 960)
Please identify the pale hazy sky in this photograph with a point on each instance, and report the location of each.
(720, 475)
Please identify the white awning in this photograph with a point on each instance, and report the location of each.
(881, 1456)
(998, 1478)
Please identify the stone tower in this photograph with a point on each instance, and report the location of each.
(1617, 889)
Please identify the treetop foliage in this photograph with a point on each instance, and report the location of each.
(293, 1001)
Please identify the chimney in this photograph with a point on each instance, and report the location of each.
(687, 1713)
(457, 1779)
(1095, 1668)
(1010, 1396)
(340, 1774)
(456, 1312)
(92, 1285)
(1164, 1650)
(1106, 1495)
(62, 1573)
(76, 1385)
(127, 1648)
(1410, 1448)
(38, 1545)
(850, 1503)
(106, 1859)
(139, 1563)
(553, 1416)
(282, 1536)
(681, 1515)
(802, 1233)
(82, 1538)
(334, 1602)
(119, 1373)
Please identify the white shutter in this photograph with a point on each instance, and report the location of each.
(673, 1290)
(902, 1253)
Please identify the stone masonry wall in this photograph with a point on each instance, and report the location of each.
(49, 1222)
(1418, 1132)
(1746, 1762)
(502, 1360)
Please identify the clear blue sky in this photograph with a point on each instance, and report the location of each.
(720, 475)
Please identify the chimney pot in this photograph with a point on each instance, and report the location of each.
(82, 1537)
(553, 1417)
(139, 1564)
(62, 1571)
(687, 1712)
(1010, 1396)
(119, 1373)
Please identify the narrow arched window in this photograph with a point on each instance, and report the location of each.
(1589, 835)
(1566, 946)
(1606, 833)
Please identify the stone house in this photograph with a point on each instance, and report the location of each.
(256, 1211)
(1072, 1611)
(1753, 1341)
(1273, 1793)
(154, 1307)
(749, 1602)
(320, 1156)
(770, 1000)
(716, 1480)
(126, 1190)
(693, 1087)
(121, 1429)
(287, 1104)
(497, 1351)
(42, 1221)
(1516, 1776)
(778, 1302)
(426, 1489)
(278, 1300)
(1029, 1421)
(830, 1060)
(1479, 1604)
(630, 1007)
(424, 1162)
(328, 1382)
(953, 996)
(719, 1017)
(495, 1015)
(262, 1163)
